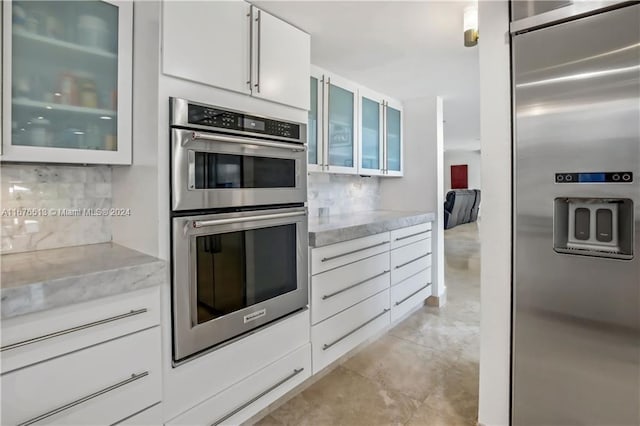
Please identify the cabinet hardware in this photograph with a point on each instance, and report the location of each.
(204, 223)
(257, 397)
(328, 296)
(72, 329)
(413, 235)
(250, 17)
(326, 259)
(328, 345)
(248, 141)
(65, 407)
(259, 52)
(412, 294)
(413, 260)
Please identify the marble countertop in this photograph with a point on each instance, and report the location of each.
(325, 230)
(46, 279)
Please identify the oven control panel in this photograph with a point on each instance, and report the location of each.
(221, 119)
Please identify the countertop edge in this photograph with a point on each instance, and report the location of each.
(66, 291)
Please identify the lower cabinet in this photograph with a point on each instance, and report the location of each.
(409, 294)
(101, 381)
(246, 398)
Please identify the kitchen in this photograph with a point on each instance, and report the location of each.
(209, 206)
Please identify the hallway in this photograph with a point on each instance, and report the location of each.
(424, 371)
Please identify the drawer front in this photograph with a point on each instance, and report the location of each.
(336, 290)
(33, 338)
(403, 236)
(409, 294)
(339, 334)
(246, 398)
(410, 259)
(151, 416)
(335, 255)
(102, 384)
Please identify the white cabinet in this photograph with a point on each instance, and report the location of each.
(67, 81)
(282, 60)
(337, 116)
(236, 46)
(352, 129)
(92, 363)
(207, 42)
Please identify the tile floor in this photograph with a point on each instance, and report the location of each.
(422, 372)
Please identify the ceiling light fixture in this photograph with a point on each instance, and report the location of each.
(470, 25)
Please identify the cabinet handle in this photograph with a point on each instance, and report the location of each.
(295, 147)
(250, 17)
(204, 223)
(72, 329)
(328, 345)
(413, 260)
(412, 235)
(329, 296)
(259, 21)
(400, 302)
(326, 259)
(131, 379)
(257, 397)
(326, 123)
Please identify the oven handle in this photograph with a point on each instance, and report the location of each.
(221, 138)
(213, 222)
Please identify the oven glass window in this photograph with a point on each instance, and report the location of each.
(239, 269)
(242, 171)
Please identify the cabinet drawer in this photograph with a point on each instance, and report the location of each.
(336, 290)
(403, 236)
(151, 416)
(246, 398)
(98, 385)
(335, 255)
(33, 338)
(339, 334)
(410, 259)
(410, 293)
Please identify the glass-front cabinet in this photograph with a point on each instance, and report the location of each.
(333, 132)
(67, 81)
(394, 145)
(371, 124)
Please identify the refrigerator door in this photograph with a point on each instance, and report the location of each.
(576, 319)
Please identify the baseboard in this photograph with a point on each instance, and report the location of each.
(438, 301)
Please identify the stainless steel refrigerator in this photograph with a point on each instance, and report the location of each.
(576, 260)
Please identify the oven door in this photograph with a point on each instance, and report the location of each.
(211, 170)
(234, 272)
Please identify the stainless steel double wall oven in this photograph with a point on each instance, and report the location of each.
(239, 223)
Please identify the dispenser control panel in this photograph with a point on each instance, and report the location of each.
(595, 177)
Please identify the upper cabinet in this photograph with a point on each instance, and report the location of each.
(236, 46)
(67, 81)
(333, 131)
(352, 129)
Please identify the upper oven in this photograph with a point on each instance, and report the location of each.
(222, 158)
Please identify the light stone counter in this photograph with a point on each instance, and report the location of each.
(325, 230)
(46, 279)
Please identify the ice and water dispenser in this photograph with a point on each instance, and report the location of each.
(601, 227)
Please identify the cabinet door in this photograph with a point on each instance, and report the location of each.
(282, 55)
(340, 126)
(370, 153)
(207, 42)
(393, 139)
(67, 81)
(314, 127)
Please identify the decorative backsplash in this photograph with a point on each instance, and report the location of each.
(340, 194)
(45, 206)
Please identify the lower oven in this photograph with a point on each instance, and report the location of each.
(234, 272)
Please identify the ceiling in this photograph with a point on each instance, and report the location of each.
(403, 49)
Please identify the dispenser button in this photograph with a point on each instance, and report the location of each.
(626, 177)
(604, 225)
(568, 178)
(616, 177)
(582, 224)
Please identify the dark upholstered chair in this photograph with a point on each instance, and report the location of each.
(461, 206)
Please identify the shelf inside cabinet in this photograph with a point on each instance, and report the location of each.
(49, 42)
(50, 106)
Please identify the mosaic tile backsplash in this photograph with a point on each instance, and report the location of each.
(342, 194)
(45, 206)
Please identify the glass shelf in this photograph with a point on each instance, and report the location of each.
(48, 43)
(27, 103)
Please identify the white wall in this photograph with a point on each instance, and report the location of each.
(419, 189)
(495, 229)
(458, 157)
